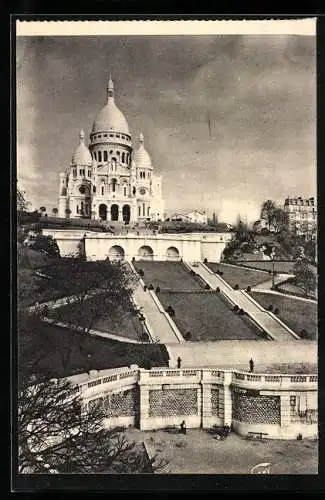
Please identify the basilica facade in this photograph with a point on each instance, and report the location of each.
(108, 180)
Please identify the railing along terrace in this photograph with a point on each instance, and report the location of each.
(239, 378)
(263, 378)
(107, 379)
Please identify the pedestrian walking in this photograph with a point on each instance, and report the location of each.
(179, 362)
(251, 365)
(183, 427)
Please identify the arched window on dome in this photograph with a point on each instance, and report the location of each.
(89, 173)
(95, 155)
(111, 152)
(114, 181)
(102, 190)
(118, 153)
(74, 172)
(94, 189)
(123, 157)
(144, 175)
(105, 155)
(127, 158)
(99, 156)
(125, 190)
(113, 162)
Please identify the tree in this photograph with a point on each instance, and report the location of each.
(267, 213)
(93, 289)
(22, 203)
(43, 209)
(55, 211)
(57, 431)
(280, 219)
(305, 277)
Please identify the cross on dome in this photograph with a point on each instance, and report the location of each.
(141, 138)
(82, 135)
(110, 88)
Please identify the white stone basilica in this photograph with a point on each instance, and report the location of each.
(107, 181)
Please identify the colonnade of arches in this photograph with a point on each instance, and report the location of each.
(145, 252)
(114, 212)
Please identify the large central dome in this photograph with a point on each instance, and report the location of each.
(110, 118)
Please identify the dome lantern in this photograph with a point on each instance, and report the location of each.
(82, 155)
(142, 157)
(110, 118)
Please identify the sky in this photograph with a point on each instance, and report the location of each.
(258, 90)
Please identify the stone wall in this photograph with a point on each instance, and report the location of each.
(281, 406)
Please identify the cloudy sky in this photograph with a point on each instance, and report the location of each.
(260, 91)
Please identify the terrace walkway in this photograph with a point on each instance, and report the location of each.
(159, 324)
(237, 353)
(267, 321)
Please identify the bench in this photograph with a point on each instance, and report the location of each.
(257, 435)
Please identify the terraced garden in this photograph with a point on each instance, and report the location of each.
(208, 317)
(124, 322)
(298, 314)
(171, 275)
(205, 314)
(239, 275)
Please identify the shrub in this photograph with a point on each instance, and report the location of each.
(192, 273)
(188, 335)
(141, 272)
(207, 287)
(217, 289)
(304, 334)
(205, 260)
(145, 288)
(241, 312)
(235, 308)
(248, 289)
(270, 308)
(133, 259)
(276, 311)
(157, 289)
(221, 273)
(236, 287)
(150, 287)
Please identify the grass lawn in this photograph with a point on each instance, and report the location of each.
(207, 317)
(124, 323)
(266, 265)
(241, 276)
(168, 275)
(59, 352)
(199, 453)
(297, 314)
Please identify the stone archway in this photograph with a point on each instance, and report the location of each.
(116, 253)
(172, 253)
(126, 211)
(145, 253)
(103, 211)
(114, 212)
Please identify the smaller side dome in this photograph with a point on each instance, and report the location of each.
(142, 157)
(82, 155)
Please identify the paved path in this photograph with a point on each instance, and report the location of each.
(268, 322)
(237, 353)
(155, 316)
